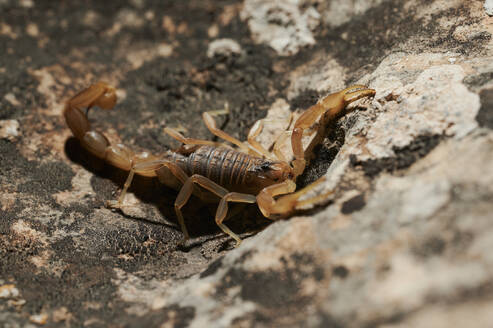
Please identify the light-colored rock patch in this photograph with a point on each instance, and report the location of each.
(283, 25)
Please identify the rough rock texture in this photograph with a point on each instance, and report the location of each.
(404, 240)
(283, 25)
(488, 7)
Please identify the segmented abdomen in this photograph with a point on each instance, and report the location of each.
(224, 166)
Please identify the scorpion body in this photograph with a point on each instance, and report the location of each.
(232, 169)
(249, 174)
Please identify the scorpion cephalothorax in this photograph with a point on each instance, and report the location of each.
(249, 174)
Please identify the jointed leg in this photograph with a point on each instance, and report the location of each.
(147, 169)
(276, 148)
(277, 145)
(257, 147)
(222, 210)
(289, 201)
(330, 107)
(191, 141)
(276, 154)
(265, 199)
(211, 125)
(187, 190)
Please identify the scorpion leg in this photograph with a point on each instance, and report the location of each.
(210, 123)
(276, 153)
(255, 147)
(330, 107)
(278, 144)
(222, 210)
(276, 148)
(153, 167)
(146, 167)
(190, 141)
(187, 190)
(289, 201)
(252, 135)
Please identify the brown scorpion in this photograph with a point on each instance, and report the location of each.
(249, 174)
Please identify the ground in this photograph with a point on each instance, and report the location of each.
(403, 240)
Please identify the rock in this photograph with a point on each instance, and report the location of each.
(488, 7)
(8, 291)
(223, 47)
(9, 129)
(40, 319)
(435, 103)
(281, 24)
(339, 12)
(403, 240)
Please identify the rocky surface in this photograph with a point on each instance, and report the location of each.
(403, 241)
(488, 7)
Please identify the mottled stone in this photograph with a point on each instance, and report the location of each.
(488, 7)
(339, 12)
(435, 103)
(223, 47)
(9, 129)
(485, 114)
(283, 25)
(403, 240)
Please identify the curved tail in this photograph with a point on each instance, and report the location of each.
(103, 96)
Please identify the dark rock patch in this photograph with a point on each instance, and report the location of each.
(404, 156)
(485, 114)
(354, 204)
(478, 80)
(212, 268)
(180, 317)
(432, 246)
(274, 290)
(340, 271)
(305, 100)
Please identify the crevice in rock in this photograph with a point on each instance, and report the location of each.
(404, 156)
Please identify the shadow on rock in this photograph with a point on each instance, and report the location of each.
(199, 216)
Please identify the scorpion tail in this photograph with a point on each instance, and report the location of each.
(103, 96)
(100, 94)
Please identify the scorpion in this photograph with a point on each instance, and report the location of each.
(247, 174)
